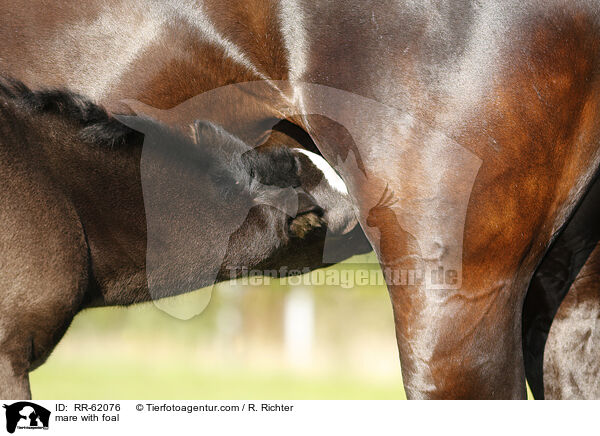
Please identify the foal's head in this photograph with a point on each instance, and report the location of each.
(322, 196)
(277, 205)
(211, 201)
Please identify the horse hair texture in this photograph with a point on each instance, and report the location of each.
(277, 166)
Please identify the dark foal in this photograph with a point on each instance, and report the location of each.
(74, 215)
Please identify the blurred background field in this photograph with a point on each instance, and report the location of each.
(283, 340)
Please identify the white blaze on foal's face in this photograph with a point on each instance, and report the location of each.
(328, 189)
(330, 175)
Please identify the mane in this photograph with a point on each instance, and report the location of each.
(94, 123)
(248, 171)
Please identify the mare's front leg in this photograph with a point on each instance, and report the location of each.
(457, 292)
(456, 286)
(458, 238)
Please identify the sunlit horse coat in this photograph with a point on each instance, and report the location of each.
(488, 142)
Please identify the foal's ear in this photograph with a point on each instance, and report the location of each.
(205, 132)
(208, 133)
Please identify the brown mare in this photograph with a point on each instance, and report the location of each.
(493, 102)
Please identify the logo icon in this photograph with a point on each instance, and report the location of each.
(26, 415)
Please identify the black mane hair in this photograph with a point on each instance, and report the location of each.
(95, 124)
(275, 167)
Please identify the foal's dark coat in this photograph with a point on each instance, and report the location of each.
(74, 230)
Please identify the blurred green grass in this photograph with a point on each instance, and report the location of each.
(138, 380)
(234, 350)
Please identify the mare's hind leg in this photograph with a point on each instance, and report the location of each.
(571, 358)
(555, 275)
